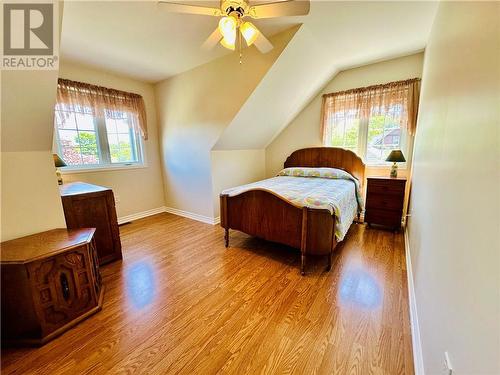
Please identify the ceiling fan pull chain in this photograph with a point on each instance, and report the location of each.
(239, 37)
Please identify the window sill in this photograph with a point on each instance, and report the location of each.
(104, 168)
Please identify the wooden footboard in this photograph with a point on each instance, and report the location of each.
(262, 214)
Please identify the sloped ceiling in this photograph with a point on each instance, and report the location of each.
(334, 36)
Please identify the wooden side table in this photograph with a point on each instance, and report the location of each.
(384, 201)
(92, 206)
(50, 282)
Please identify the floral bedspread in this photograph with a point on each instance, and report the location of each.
(322, 188)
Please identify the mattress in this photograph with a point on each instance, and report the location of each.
(340, 194)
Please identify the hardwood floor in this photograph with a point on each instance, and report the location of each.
(179, 302)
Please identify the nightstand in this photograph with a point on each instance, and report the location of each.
(384, 201)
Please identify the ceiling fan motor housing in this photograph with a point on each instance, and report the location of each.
(235, 8)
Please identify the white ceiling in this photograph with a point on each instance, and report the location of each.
(142, 40)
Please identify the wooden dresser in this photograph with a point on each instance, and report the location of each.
(50, 282)
(92, 206)
(384, 201)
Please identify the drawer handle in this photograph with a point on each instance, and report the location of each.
(64, 286)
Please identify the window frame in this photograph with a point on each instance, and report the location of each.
(406, 145)
(103, 149)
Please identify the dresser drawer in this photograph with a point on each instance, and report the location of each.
(385, 202)
(383, 217)
(386, 187)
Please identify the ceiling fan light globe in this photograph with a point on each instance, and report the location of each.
(229, 41)
(227, 26)
(249, 32)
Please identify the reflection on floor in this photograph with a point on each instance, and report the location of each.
(179, 302)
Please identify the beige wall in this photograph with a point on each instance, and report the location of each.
(234, 168)
(137, 189)
(30, 199)
(454, 234)
(304, 130)
(194, 108)
(30, 195)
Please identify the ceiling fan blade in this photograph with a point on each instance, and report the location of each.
(280, 9)
(189, 9)
(262, 43)
(212, 40)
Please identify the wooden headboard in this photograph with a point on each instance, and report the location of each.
(330, 157)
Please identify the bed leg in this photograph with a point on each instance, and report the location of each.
(226, 237)
(303, 242)
(332, 246)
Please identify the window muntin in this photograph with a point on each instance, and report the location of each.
(85, 140)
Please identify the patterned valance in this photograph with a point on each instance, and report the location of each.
(374, 100)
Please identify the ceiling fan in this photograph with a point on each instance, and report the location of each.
(232, 22)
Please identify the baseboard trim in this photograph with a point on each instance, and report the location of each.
(418, 360)
(140, 215)
(193, 216)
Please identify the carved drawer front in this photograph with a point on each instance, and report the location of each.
(63, 287)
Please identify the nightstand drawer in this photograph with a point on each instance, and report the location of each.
(383, 217)
(386, 186)
(385, 202)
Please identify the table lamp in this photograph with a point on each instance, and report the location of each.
(396, 156)
(58, 162)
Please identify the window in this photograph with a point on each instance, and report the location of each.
(371, 121)
(86, 140)
(372, 138)
(93, 132)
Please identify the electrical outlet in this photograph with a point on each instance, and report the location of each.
(448, 368)
(117, 199)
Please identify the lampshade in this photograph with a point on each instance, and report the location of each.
(229, 41)
(58, 162)
(249, 32)
(227, 26)
(396, 156)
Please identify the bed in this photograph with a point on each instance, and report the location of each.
(264, 210)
